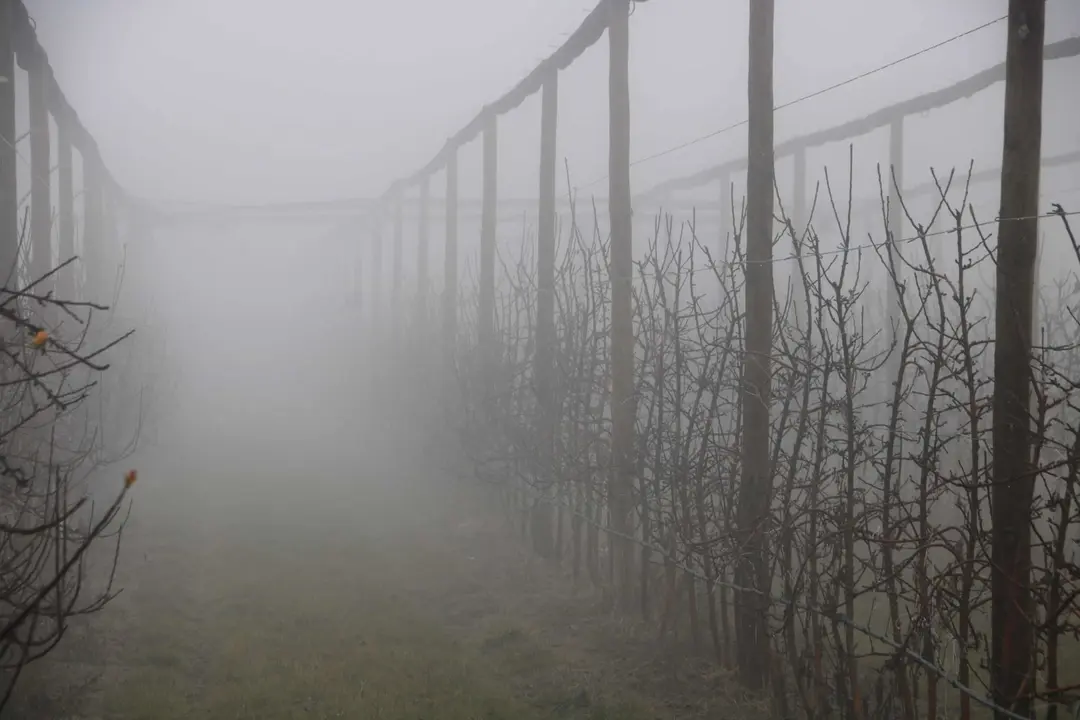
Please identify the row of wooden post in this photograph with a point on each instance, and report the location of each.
(752, 624)
(19, 44)
(621, 271)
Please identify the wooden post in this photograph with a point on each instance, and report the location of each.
(1013, 638)
(93, 223)
(621, 274)
(40, 166)
(486, 314)
(377, 314)
(423, 240)
(398, 311)
(450, 265)
(543, 518)
(66, 285)
(361, 287)
(798, 222)
(726, 199)
(893, 255)
(9, 193)
(753, 568)
(896, 221)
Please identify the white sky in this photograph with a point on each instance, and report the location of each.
(262, 100)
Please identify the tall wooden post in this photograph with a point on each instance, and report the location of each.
(621, 268)
(726, 198)
(377, 314)
(66, 285)
(362, 300)
(798, 222)
(753, 568)
(486, 314)
(893, 255)
(1013, 638)
(423, 241)
(40, 166)
(9, 193)
(397, 313)
(542, 520)
(93, 223)
(450, 265)
(896, 218)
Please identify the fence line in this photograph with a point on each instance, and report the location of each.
(101, 193)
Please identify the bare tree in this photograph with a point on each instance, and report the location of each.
(51, 365)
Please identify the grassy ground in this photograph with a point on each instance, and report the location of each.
(317, 602)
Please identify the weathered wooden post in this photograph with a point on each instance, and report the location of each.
(9, 193)
(40, 166)
(542, 519)
(486, 310)
(377, 313)
(93, 221)
(65, 167)
(896, 222)
(450, 268)
(1013, 639)
(397, 313)
(726, 198)
(798, 223)
(753, 568)
(360, 289)
(423, 240)
(621, 268)
(893, 256)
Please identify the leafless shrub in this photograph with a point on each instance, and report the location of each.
(879, 530)
(52, 364)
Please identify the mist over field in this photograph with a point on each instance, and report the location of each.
(361, 361)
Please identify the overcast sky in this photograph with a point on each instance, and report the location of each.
(262, 100)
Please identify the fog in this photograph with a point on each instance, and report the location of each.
(251, 101)
(289, 424)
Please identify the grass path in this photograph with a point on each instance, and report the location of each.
(294, 605)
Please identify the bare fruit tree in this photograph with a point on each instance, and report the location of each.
(52, 362)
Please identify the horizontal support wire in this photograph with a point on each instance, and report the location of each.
(864, 125)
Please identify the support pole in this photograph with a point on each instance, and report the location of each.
(543, 517)
(896, 219)
(1012, 647)
(726, 198)
(9, 192)
(93, 224)
(753, 568)
(40, 165)
(398, 312)
(422, 243)
(377, 313)
(65, 168)
(798, 224)
(450, 266)
(621, 274)
(486, 318)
